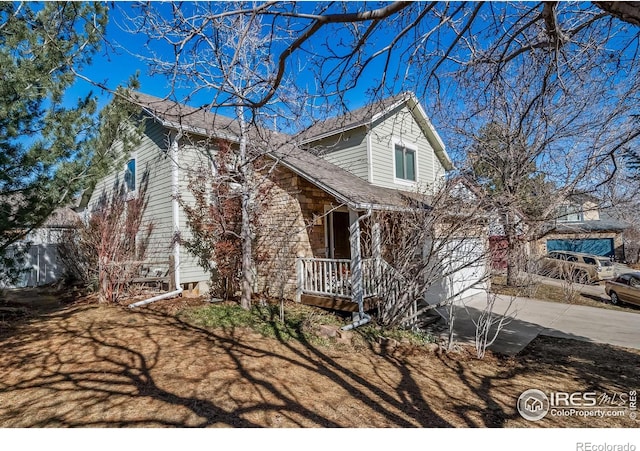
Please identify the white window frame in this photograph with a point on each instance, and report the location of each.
(408, 146)
(131, 194)
(570, 210)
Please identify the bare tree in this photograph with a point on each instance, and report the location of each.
(425, 256)
(411, 41)
(228, 58)
(531, 141)
(621, 201)
(109, 250)
(489, 324)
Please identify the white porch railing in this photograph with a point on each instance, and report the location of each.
(324, 277)
(332, 277)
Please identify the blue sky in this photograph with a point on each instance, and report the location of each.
(114, 66)
(118, 62)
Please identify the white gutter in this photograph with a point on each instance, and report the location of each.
(175, 210)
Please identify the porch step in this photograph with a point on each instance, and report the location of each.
(334, 303)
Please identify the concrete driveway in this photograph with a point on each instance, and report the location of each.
(527, 318)
(595, 290)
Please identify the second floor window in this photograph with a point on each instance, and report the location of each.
(405, 163)
(130, 175)
(570, 213)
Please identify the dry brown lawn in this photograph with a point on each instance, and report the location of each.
(99, 366)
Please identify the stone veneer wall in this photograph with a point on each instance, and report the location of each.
(287, 230)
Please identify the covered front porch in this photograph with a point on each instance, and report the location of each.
(322, 238)
(354, 284)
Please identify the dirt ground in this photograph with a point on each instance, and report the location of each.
(99, 366)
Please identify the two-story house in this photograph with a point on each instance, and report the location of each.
(581, 226)
(325, 181)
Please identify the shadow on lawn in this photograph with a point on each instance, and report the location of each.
(97, 374)
(102, 367)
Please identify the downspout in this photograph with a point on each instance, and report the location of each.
(175, 213)
(363, 317)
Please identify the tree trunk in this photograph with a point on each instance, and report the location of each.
(247, 269)
(245, 231)
(512, 250)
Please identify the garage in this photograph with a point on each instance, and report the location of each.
(595, 246)
(466, 262)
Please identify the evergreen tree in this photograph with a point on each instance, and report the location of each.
(633, 163)
(49, 147)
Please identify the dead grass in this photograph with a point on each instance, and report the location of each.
(100, 366)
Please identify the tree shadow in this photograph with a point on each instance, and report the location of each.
(93, 366)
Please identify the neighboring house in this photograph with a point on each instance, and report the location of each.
(581, 226)
(325, 183)
(38, 250)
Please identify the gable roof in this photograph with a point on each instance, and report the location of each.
(347, 188)
(350, 120)
(370, 113)
(178, 116)
(340, 183)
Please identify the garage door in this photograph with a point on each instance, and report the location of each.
(596, 246)
(466, 263)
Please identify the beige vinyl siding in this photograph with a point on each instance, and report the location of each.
(149, 155)
(190, 160)
(399, 126)
(347, 150)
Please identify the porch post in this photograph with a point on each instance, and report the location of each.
(299, 279)
(376, 251)
(357, 293)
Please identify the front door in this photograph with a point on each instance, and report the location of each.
(339, 246)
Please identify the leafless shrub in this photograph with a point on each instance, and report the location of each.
(107, 252)
(79, 257)
(213, 217)
(427, 256)
(489, 324)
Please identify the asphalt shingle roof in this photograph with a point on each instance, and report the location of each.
(352, 119)
(177, 115)
(346, 187)
(602, 225)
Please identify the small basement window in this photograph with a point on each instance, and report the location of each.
(405, 160)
